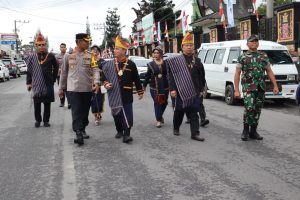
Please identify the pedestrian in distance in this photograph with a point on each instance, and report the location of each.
(80, 77)
(41, 76)
(60, 59)
(159, 86)
(186, 86)
(119, 75)
(252, 65)
(97, 104)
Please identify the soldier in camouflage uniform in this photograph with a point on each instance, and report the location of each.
(253, 64)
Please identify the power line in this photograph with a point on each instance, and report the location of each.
(48, 18)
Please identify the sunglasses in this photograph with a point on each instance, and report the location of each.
(41, 45)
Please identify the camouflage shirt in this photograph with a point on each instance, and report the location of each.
(253, 66)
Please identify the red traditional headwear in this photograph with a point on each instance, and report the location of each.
(40, 39)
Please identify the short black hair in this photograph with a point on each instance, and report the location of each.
(63, 44)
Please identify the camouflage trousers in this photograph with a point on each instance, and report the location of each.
(253, 102)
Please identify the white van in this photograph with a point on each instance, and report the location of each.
(220, 60)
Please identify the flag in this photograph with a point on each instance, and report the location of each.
(158, 32)
(221, 13)
(135, 40)
(166, 31)
(154, 32)
(184, 23)
(255, 11)
(143, 36)
(230, 17)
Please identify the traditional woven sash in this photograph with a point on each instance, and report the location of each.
(183, 79)
(114, 94)
(159, 81)
(39, 87)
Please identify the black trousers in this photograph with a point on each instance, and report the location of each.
(192, 114)
(37, 111)
(124, 119)
(202, 112)
(80, 106)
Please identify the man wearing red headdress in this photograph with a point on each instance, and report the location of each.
(41, 76)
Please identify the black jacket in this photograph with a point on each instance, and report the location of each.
(130, 76)
(197, 73)
(150, 77)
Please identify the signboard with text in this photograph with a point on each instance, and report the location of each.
(8, 38)
(245, 29)
(285, 22)
(147, 23)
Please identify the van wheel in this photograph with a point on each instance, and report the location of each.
(229, 95)
(206, 95)
(279, 101)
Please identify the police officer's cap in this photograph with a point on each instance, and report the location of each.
(83, 36)
(253, 38)
(95, 46)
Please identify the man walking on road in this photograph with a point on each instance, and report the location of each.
(253, 64)
(79, 77)
(41, 76)
(118, 76)
(186, 86)
(59, 58)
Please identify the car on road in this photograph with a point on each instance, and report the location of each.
(14, 70)
(5, 71)
(22, 66)
(141, 64)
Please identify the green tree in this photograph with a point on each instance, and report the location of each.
(262, 8)
(113, 28)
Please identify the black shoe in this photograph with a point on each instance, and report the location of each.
(254, 135)
(37, 124)
(69, 106)
(85, 136)
(176, 132)
(119, 135)
(79, 138)
(197, 138)
(127, 139)
(245, 134)
(46, 124)
(61, 105)
(204, 122)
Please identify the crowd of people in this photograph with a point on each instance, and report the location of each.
(83, 78)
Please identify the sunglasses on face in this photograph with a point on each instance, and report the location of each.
(41, 45)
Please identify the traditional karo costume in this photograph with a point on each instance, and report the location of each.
(185, 79)
(121, 75)
(41, 74)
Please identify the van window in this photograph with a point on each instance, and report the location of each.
(233, 54)
(219, 56)
(209, 56)
(202, 54)
(279, 57)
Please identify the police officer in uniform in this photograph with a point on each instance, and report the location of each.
(80, 77)
(118, 76)
(253, 64)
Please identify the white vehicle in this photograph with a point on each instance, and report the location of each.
(22, 66)
(4, 70)
(141, 64)
(220, 60)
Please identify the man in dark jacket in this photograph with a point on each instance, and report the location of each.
(186, 86)
(41, 76)
(118, 76)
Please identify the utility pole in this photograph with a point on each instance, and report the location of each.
(101, 26)
(17, 37)
(270, 8)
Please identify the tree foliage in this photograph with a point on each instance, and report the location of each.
(262, 9)
(113, 28)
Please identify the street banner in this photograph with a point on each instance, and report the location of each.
(147, 23)
(8, 38)
(158, 32)
(230, 17)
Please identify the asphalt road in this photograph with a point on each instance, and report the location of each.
(44, 163)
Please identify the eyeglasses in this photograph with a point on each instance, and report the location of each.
(41, 45)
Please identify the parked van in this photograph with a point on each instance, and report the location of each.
(220, 60)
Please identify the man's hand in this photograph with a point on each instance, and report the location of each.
(95, 88)
(275, 90)
(108, 86)
(237, 94)
(141, 96)
(29, 86)
(61, 93)
(173, 93)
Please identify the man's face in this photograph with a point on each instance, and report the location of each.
(119, 52)
(63, 48)
(41, 48)
(83, 44)
(253, 45)
(188, 49)
(95, 51)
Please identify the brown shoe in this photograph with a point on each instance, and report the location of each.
(197, 138)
